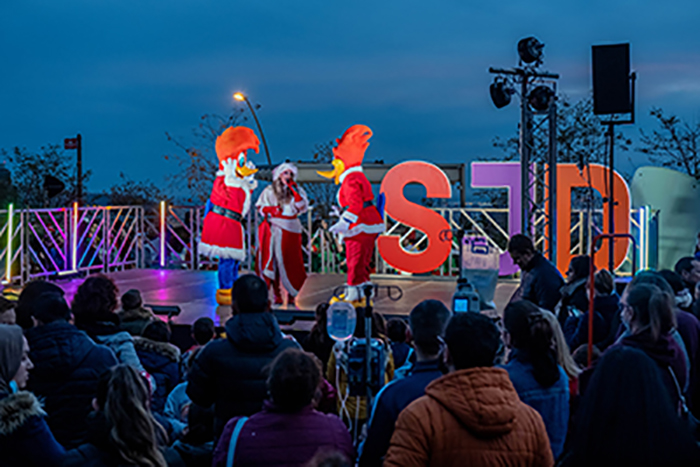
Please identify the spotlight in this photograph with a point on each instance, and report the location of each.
(540, 98)
(500, 93)
(530, 50)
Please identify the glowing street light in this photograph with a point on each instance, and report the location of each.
(239, 96)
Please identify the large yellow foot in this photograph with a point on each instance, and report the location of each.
(354, 303)
(223, 297)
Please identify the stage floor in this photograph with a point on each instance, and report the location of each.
(194, 292)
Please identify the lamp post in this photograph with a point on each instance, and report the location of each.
(239, 96)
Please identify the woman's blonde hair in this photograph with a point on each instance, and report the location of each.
(564, 358)
(133, 431)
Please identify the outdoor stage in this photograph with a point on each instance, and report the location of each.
(194, 292)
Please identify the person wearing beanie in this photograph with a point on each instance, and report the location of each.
(133, 316)
(67, 366)
(279, 257)
(25, 438)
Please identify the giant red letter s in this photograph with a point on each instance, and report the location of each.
(437, 185)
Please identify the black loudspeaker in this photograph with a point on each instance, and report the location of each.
(611, 79)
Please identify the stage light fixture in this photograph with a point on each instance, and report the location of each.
(540, 98)
(530, 50)
(500, 93)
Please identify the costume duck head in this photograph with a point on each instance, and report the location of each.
(350, 151)
(231, 147)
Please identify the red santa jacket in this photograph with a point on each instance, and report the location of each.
(355, 195)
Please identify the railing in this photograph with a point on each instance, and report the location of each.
(61, 241)
(54, 242)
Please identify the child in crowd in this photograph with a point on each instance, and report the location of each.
(396, 332)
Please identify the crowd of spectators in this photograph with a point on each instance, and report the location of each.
(100, 382)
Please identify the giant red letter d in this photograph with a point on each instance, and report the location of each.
(437, 185)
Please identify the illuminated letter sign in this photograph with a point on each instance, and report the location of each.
(437, 185)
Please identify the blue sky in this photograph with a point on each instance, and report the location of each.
(123, 73)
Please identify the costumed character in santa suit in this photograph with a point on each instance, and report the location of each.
(361, 223)
(222, 232)
(279, 257)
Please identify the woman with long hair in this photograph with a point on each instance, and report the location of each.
(627, 418)
(123, 430)
(534, 370)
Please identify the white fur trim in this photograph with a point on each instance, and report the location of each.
(365, 228)
(16, 409)
(349, 217)
(213, 251)
(279, 261)
(282, 167)
(351, 170)
(291, 225)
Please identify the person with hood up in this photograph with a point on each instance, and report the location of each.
(67, 367)
(25, 438)
(133, 316)
(471, 416)
(288, 431)
(161, 359)
(229, 372)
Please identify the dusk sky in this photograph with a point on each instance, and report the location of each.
(122, 73)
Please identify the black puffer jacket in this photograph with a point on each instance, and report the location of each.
(541, 283)
(67, 366)
(229, 372)
(162, 361)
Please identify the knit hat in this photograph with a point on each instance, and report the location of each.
(131, 300)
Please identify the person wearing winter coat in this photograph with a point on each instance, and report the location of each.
(161, 359)
(229, 372)
(67, 366)
(574, 295)
(289, 431)
(133, 316)
(196, 447)
(534, 370)
(122, 431)
(93, 309)
(25, 438)
(541, 282)
(473, 415)
(427, 327)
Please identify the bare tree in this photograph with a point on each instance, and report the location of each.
(322, 194)
(196, 158)
(674, 144)
(132, 193)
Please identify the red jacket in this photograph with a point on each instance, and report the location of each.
(221, 235)
(355, 195)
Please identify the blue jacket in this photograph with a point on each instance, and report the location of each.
(551, 403)
(162, 361)
(25, 438)
(67, 367)
(388, 404)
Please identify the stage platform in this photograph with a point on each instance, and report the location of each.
(194, 292)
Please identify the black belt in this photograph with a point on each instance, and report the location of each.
(236, 216)
(368, 204)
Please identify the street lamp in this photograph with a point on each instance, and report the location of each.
(239, 96)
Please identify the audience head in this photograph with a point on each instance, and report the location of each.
(626, 416)
(131, 300)
(95, 301)
(603, 282)
(396, 330)
(472, 341)
(428, 321)
(647, 308)
(123, 396)
(528, 331)
(294, 378)
(203, 330)
(250, 295)
(157, 330)
(7, 311)
(50, 307)
(682, 297)
(521, 250)
(689, 269)
(329, 459)
(579, 268)
(14, 359)
(29, 294)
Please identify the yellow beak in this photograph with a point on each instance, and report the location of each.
(244, 172)
(338, 169)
